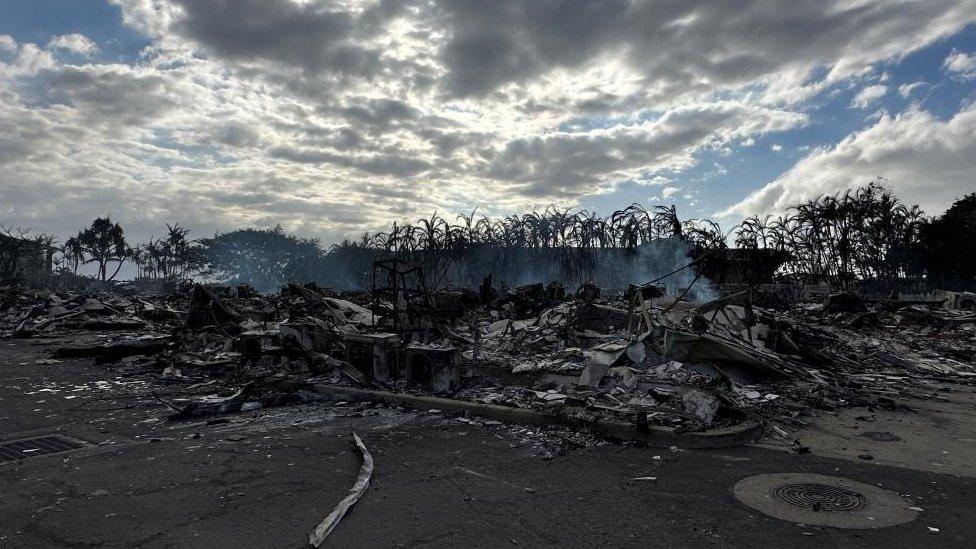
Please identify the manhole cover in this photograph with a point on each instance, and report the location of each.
(13, 450)
(823, 501)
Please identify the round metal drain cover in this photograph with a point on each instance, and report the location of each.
(823, 501)
(820, 497)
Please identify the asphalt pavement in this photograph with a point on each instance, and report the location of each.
(265, 478)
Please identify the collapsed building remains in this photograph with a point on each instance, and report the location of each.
(646, 363)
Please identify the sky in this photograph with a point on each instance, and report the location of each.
(335, 117)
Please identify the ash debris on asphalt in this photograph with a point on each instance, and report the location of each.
(572, 367)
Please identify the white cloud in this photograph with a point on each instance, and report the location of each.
(577, 163)
(152, 17)
(960, 64)
(668, 192)
(928, 162)
(74, 43)
(28, 61)
(7, 43)
(869, 95)
(776, 147)
(905, 90)
(335, 117)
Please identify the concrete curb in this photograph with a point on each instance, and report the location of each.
(736, 435)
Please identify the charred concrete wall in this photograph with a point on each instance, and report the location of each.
(26, 262)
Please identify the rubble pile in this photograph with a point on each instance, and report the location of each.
(576, 358)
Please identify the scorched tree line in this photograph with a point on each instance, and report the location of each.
(865, 234)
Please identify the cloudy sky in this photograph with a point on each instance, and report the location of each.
(331, 117)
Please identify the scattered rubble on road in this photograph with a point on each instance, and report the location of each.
(641, 358)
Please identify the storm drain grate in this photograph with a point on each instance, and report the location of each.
(820, 500)
(819, 497)
(37, 446)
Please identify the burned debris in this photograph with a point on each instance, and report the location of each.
(637, 364)
(635, 326)
(659, 336)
